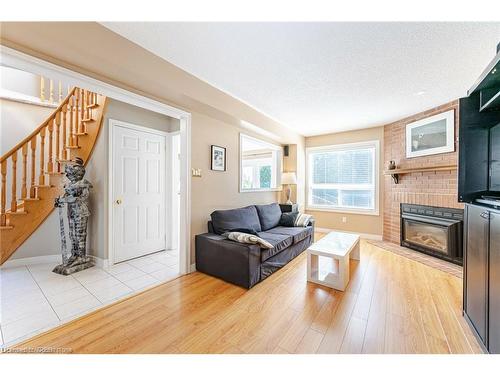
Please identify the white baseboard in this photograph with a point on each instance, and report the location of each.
(101, 263)
(192, 268)
(32, 260)
(368, 236)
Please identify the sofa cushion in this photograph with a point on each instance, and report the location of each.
(269, 215)
(226, 220)
(297, 233)
(279, 241)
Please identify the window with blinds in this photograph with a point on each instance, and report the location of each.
(343, 177)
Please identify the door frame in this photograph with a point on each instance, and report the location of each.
(113, 124)
(19, 60)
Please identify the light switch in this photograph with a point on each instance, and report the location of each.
(196, 172)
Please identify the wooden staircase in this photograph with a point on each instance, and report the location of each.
(32, 172)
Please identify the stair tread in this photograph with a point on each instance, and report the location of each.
(95, 105)
(73, 147)
(17, 213)
(42, 186)
(81, 134)
(87, 119)
(29, 199)
(4, 227)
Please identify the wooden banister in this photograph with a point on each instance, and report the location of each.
(37, 130)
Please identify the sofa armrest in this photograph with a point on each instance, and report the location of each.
(231, 261)
(312, 223)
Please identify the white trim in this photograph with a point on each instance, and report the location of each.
(193, 267)
(31, 261)
(279, 171)
(25, 99)
(18, 60)
(99, 262)
(185, 199)
(368, 236)
(343, 210)
(347, 146)
(449, 116)
(112, 125)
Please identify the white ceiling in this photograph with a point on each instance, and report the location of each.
(327, 77)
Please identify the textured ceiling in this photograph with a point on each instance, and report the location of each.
(327, 77)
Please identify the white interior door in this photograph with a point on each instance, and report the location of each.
(139, 192)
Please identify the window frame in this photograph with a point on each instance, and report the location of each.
(279, 160)
(344, 147)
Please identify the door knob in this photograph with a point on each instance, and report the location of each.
(118, 201)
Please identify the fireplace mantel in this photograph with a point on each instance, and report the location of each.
(395, 173)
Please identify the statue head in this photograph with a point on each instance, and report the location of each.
(75, 170)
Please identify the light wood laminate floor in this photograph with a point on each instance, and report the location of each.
(392, 305)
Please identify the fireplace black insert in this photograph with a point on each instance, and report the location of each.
(436, 231)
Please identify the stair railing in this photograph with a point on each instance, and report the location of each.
(47, 146)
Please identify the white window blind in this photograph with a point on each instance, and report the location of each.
(343, 177)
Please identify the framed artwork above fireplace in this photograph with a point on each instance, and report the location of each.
(431, 135)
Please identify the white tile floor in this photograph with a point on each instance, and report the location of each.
(34, 299)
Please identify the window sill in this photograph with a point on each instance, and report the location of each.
(355, 211)
(259, 190)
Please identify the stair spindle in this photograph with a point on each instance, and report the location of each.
(24, 153)
(50, 141)
(82, 112)
(13, 198)
(3, 196)
(57, 122)
(41, 178)
(51, 91)
(42, 88)
(77, 119)
(33, 167)
(64, 133)
(71, 121)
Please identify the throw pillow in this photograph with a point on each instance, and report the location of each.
(247, 238)
(288, 219)
(302, 220)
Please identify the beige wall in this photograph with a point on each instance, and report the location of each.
(216, 116)
(371, 224)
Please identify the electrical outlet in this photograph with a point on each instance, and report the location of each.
(196, 172)
(344, 219)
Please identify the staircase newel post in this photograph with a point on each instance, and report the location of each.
(13, 198)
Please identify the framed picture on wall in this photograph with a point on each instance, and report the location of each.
(218, 158)
(431, 135)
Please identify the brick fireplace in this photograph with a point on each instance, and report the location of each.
(436, 188)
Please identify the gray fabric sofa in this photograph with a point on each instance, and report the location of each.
(246, 264)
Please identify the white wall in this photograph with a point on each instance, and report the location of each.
(19, 81)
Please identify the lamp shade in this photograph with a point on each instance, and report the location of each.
(289, 178)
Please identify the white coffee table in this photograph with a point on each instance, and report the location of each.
(337, 248)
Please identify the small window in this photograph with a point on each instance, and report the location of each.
(260, 164)
(343, 177)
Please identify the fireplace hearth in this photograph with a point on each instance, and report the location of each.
(436, 231)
